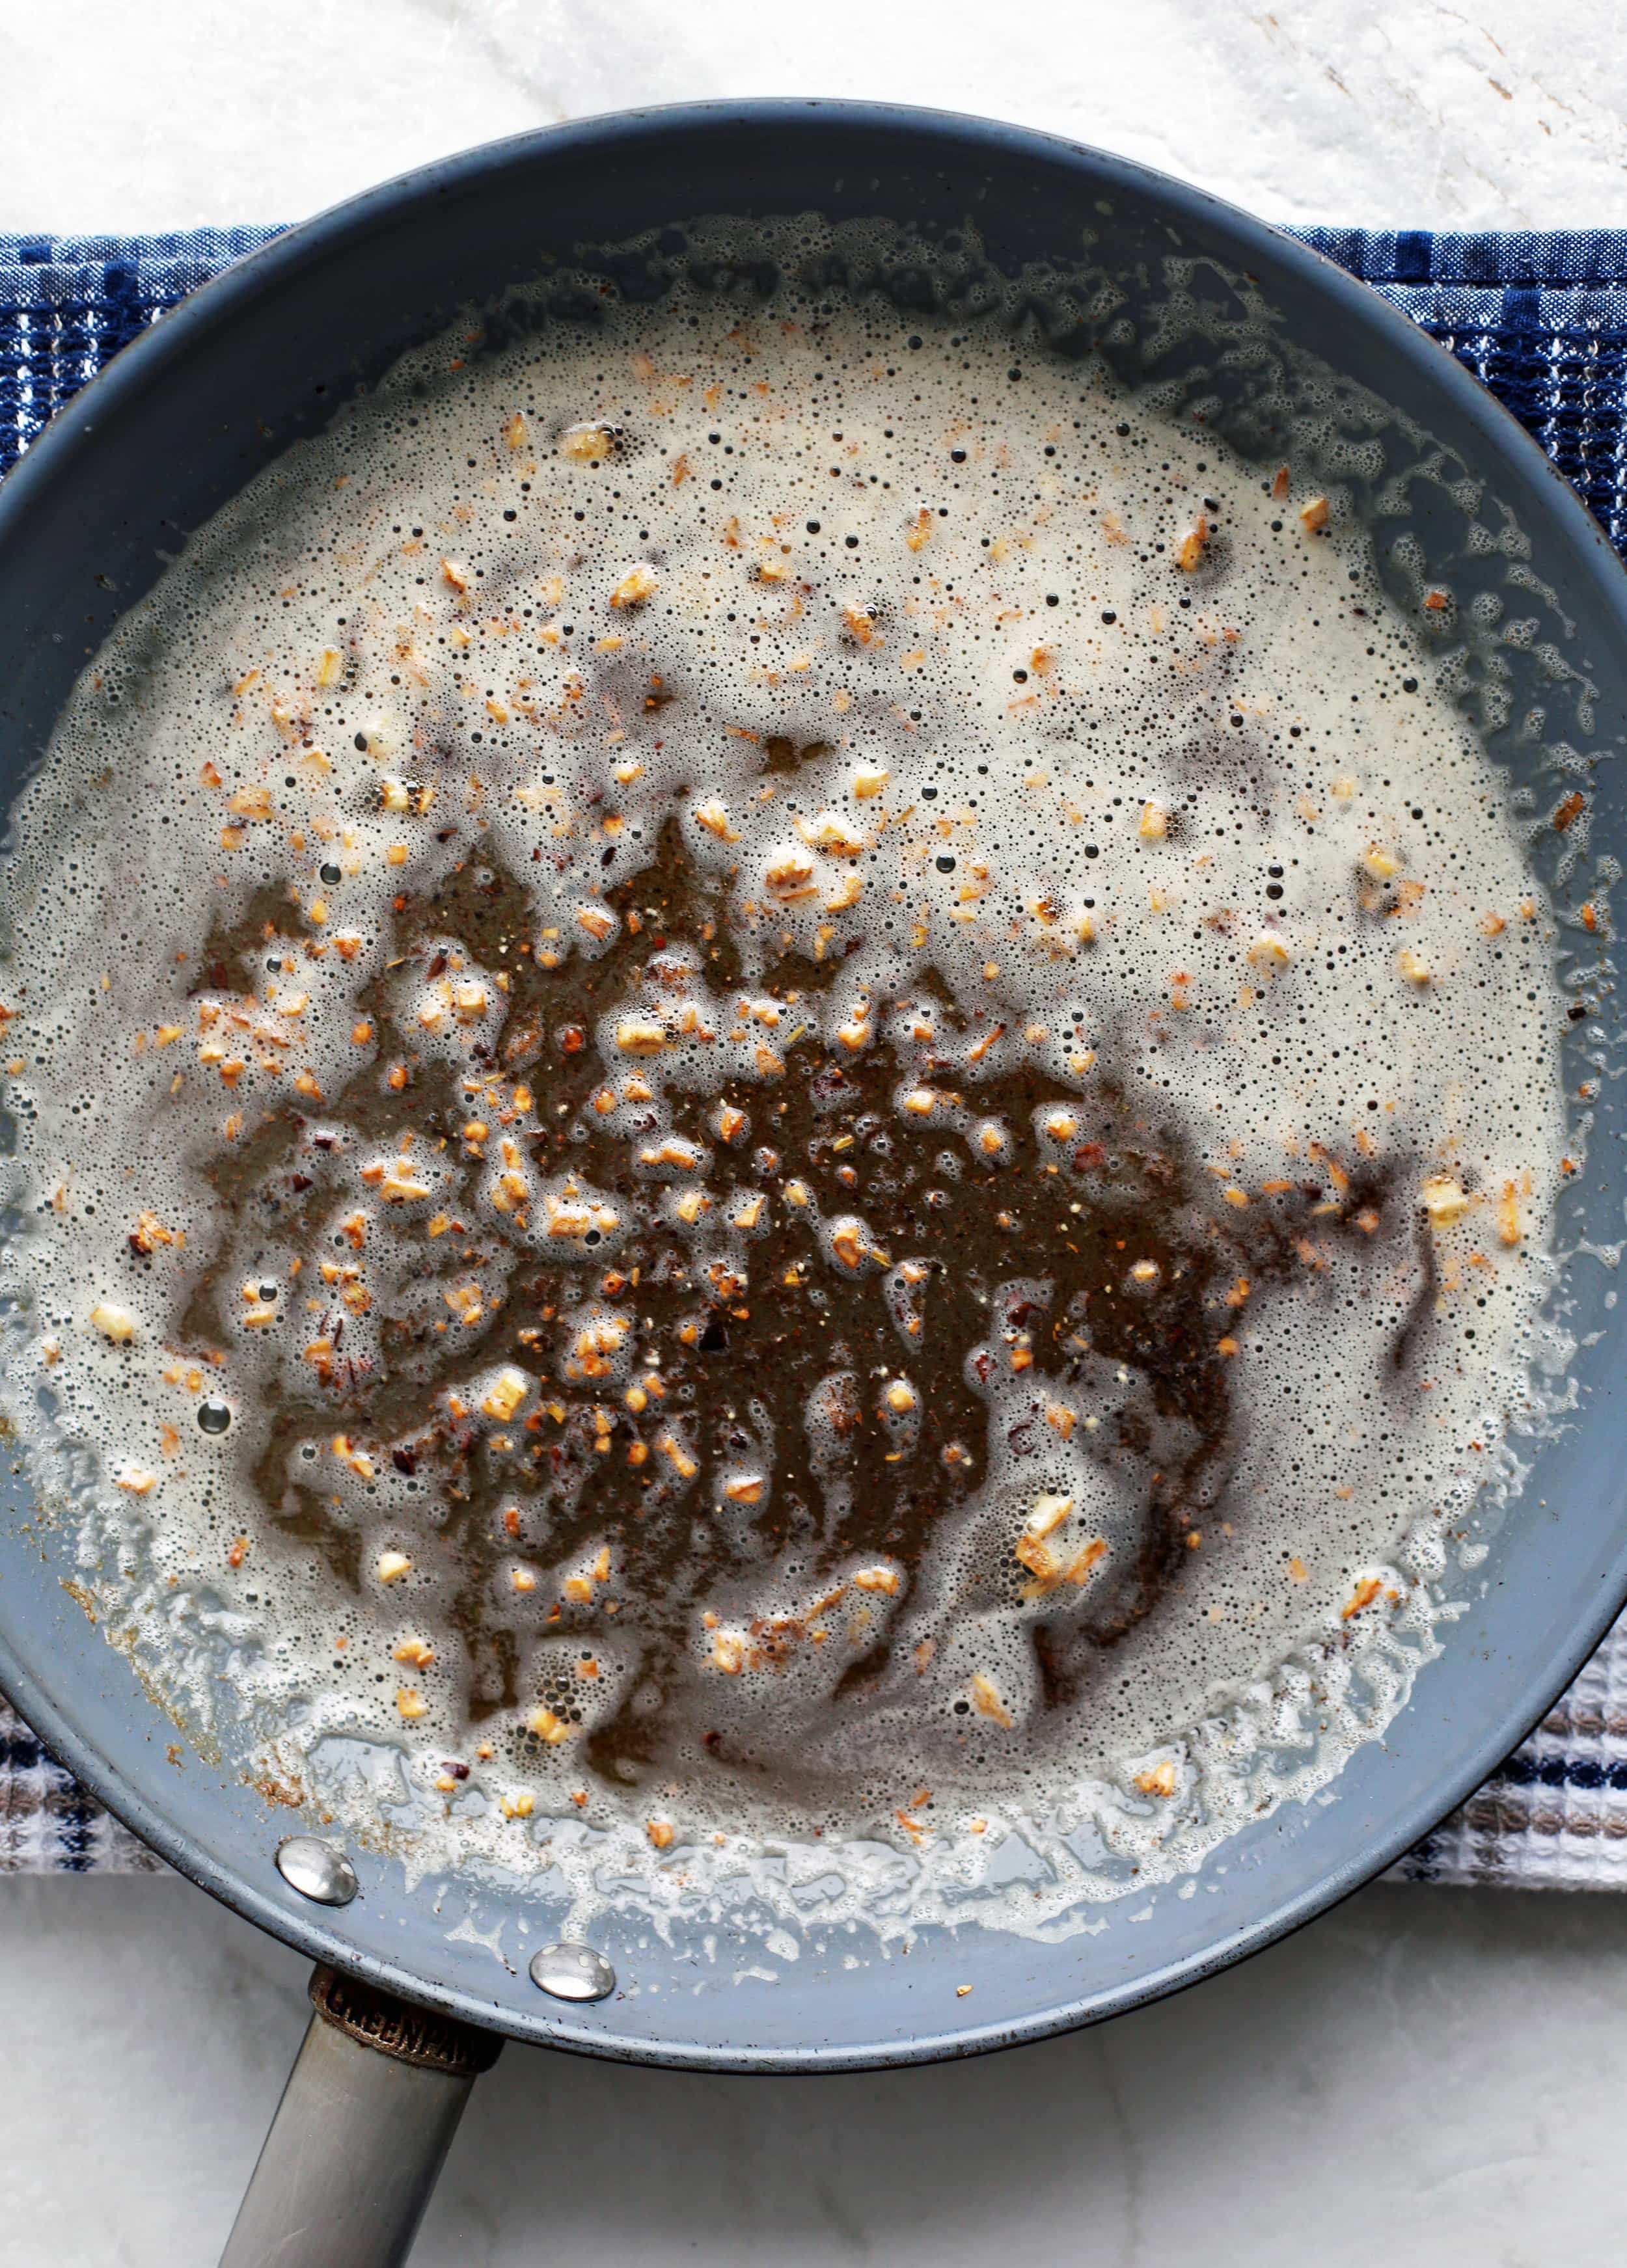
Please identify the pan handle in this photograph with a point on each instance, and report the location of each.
(360, 2134)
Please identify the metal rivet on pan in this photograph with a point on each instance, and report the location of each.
(573, 1972)
(316, 1870)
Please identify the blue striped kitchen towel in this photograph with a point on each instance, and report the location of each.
(1541, 319)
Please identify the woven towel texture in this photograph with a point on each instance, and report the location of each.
(1540, 319)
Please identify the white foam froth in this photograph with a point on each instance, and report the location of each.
(1067, 784)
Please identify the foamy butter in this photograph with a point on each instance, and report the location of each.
(787, 1100)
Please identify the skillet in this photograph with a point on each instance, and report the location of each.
(177, 424)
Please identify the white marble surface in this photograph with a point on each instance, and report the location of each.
(1441, 2075)
(1433, 2077)
(1486, 113)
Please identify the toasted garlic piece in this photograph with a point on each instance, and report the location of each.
(673, 1150)
(984, 1696)
(1314, 514)
(1381, 863)
(136, 1480)
(547, 1726)
(636, 1036)
(1269, 951)
(636, 587)
(114, 1322)
(1154, 824)
(410, 1703)
(1159, 1781)
(1189, 550)
(1048, 1514)
(505, 1395)
(683, 1463)
(1081, 1568)
(1412, 966)
(660, 1832)
(901, 1397)
(1508, 1228)
(398, 1186)
(848, 1244)
(789, 878)
(149, 1231)
(877, 1579)
(714, 819)
(870, 779)
(831, 834)
(588, 441)
(1444, 1200)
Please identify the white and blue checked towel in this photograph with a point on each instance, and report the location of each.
(1541, 319)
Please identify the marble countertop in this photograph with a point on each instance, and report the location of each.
(1439, 2072)
(1488, 113)
(1432, 2077)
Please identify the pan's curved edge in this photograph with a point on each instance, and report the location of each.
(299, 1929)
(141, 365)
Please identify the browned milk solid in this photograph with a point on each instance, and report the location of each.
(1111, 734)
